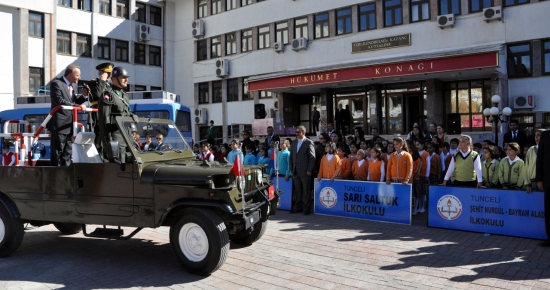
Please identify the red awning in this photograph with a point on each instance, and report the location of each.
(397, 69)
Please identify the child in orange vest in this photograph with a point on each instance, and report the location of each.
(417, 187)
(360, 167)
(435, 164)
(423, 180)
(345, 167)
(330, 164)
(400, 164)
(377, 168)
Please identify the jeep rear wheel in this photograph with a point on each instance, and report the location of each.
(68, 228)
(11, 232)
(254, 236)
(200, 240)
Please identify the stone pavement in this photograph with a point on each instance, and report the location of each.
(297, 252)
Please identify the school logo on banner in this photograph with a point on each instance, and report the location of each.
(449, 207)
(328, 197)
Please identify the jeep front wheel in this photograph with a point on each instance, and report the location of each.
(200, 240)
(11, 232)
(68, 228)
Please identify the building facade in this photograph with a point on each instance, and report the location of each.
(46, 36)
(393, 62)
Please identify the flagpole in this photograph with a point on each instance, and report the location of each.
(276, 167)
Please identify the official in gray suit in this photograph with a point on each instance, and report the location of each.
(302, 164)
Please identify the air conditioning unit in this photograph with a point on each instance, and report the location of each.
(447, 20)
(198, 28)
(279, 47)
(201, 116)
(522, 102)
(222, 68)
(299, 44)
(492, 13)
(143, 33)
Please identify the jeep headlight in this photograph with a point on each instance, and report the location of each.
(259, 176)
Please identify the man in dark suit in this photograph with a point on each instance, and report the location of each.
(63, 92)
(543, 179)
(339, 118)
(270, 137)
(315, 117)
(515, 135)
(302, 164)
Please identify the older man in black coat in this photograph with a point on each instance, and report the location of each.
(302, 164)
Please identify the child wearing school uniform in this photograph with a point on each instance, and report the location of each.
(263, 157)
(435, 163)
(360, 167)
(206, 154)
(417, 185)
(531, 164)
(345, 167)
(235, 151)
(423, 181)
(511, 170)
(377, 168)
(249, 158)
(283, 161)
(400, 166)
(490, 167)
(330, 164)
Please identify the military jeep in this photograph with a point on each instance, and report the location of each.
(203, 203)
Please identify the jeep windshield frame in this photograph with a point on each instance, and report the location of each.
(174, 145)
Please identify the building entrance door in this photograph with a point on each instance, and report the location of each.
(413, 113)
(394, 113)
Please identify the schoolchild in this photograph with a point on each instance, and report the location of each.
(250, 157)
(417, 185)
(423, 182)
(283, 161)
(360, 166)
(400, 165)
(435, 163)
(490, 167)
(235, 151)
(206, 154)
(377, 168)
(263, 158)
(345, 167)
(531, 164)
(330, 164)
(511, 170)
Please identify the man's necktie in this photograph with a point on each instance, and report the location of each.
(71, 92)
(299, 145)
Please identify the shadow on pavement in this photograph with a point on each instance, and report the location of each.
(500, 257)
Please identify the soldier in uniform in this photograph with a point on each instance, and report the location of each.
(114, 102)
(97, 89)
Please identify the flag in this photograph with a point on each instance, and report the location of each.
(237, 168)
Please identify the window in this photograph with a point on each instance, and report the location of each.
(154, 55)
(217, 92)
(281, 32)
(514, 2)
(246, 2)
(420, 10)
(122, 8)
(216, 47)
(266, 95)
(216, 6)
(36, 79)
(232, 90)
(105, 7)
(35, 24)
(83, 45)
(230, 43)
(449, 7)
(153, 88)
(393, 12)
(139, 53)
(202, 49)
(67, 3)
(63, 42)
(546, 57)
(367, 17)
(85, 5)
(121, 50)
(343, 21)
(321, 25)
(203, 9)
(104, 48)
(479, 5)
(469, 98)
(519, 60)
(139, 88)
(263, 37)
(155, 15)
(183, 121)
(203, 93)
(140, 12)
(230, 4)
(300, 27)
(246, 39)
(246, 94)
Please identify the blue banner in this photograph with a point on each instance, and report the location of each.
(375, 201)
(285, 201)
(494, 211)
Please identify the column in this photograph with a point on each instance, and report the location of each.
(432, 104)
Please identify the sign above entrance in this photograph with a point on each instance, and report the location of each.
(435, 65)
(381, 43)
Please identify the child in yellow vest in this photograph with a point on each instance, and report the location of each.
(330, 164)
(531, 164)
(511, 170)
(360, 167)
(377, 168)
(490, 167)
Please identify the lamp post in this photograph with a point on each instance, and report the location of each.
(495, 116)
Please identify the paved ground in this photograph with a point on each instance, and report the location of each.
(297, 252)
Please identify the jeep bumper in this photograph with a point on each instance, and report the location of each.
(261, 208)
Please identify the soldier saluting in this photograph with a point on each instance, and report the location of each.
(114, 102)
(97, 88)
